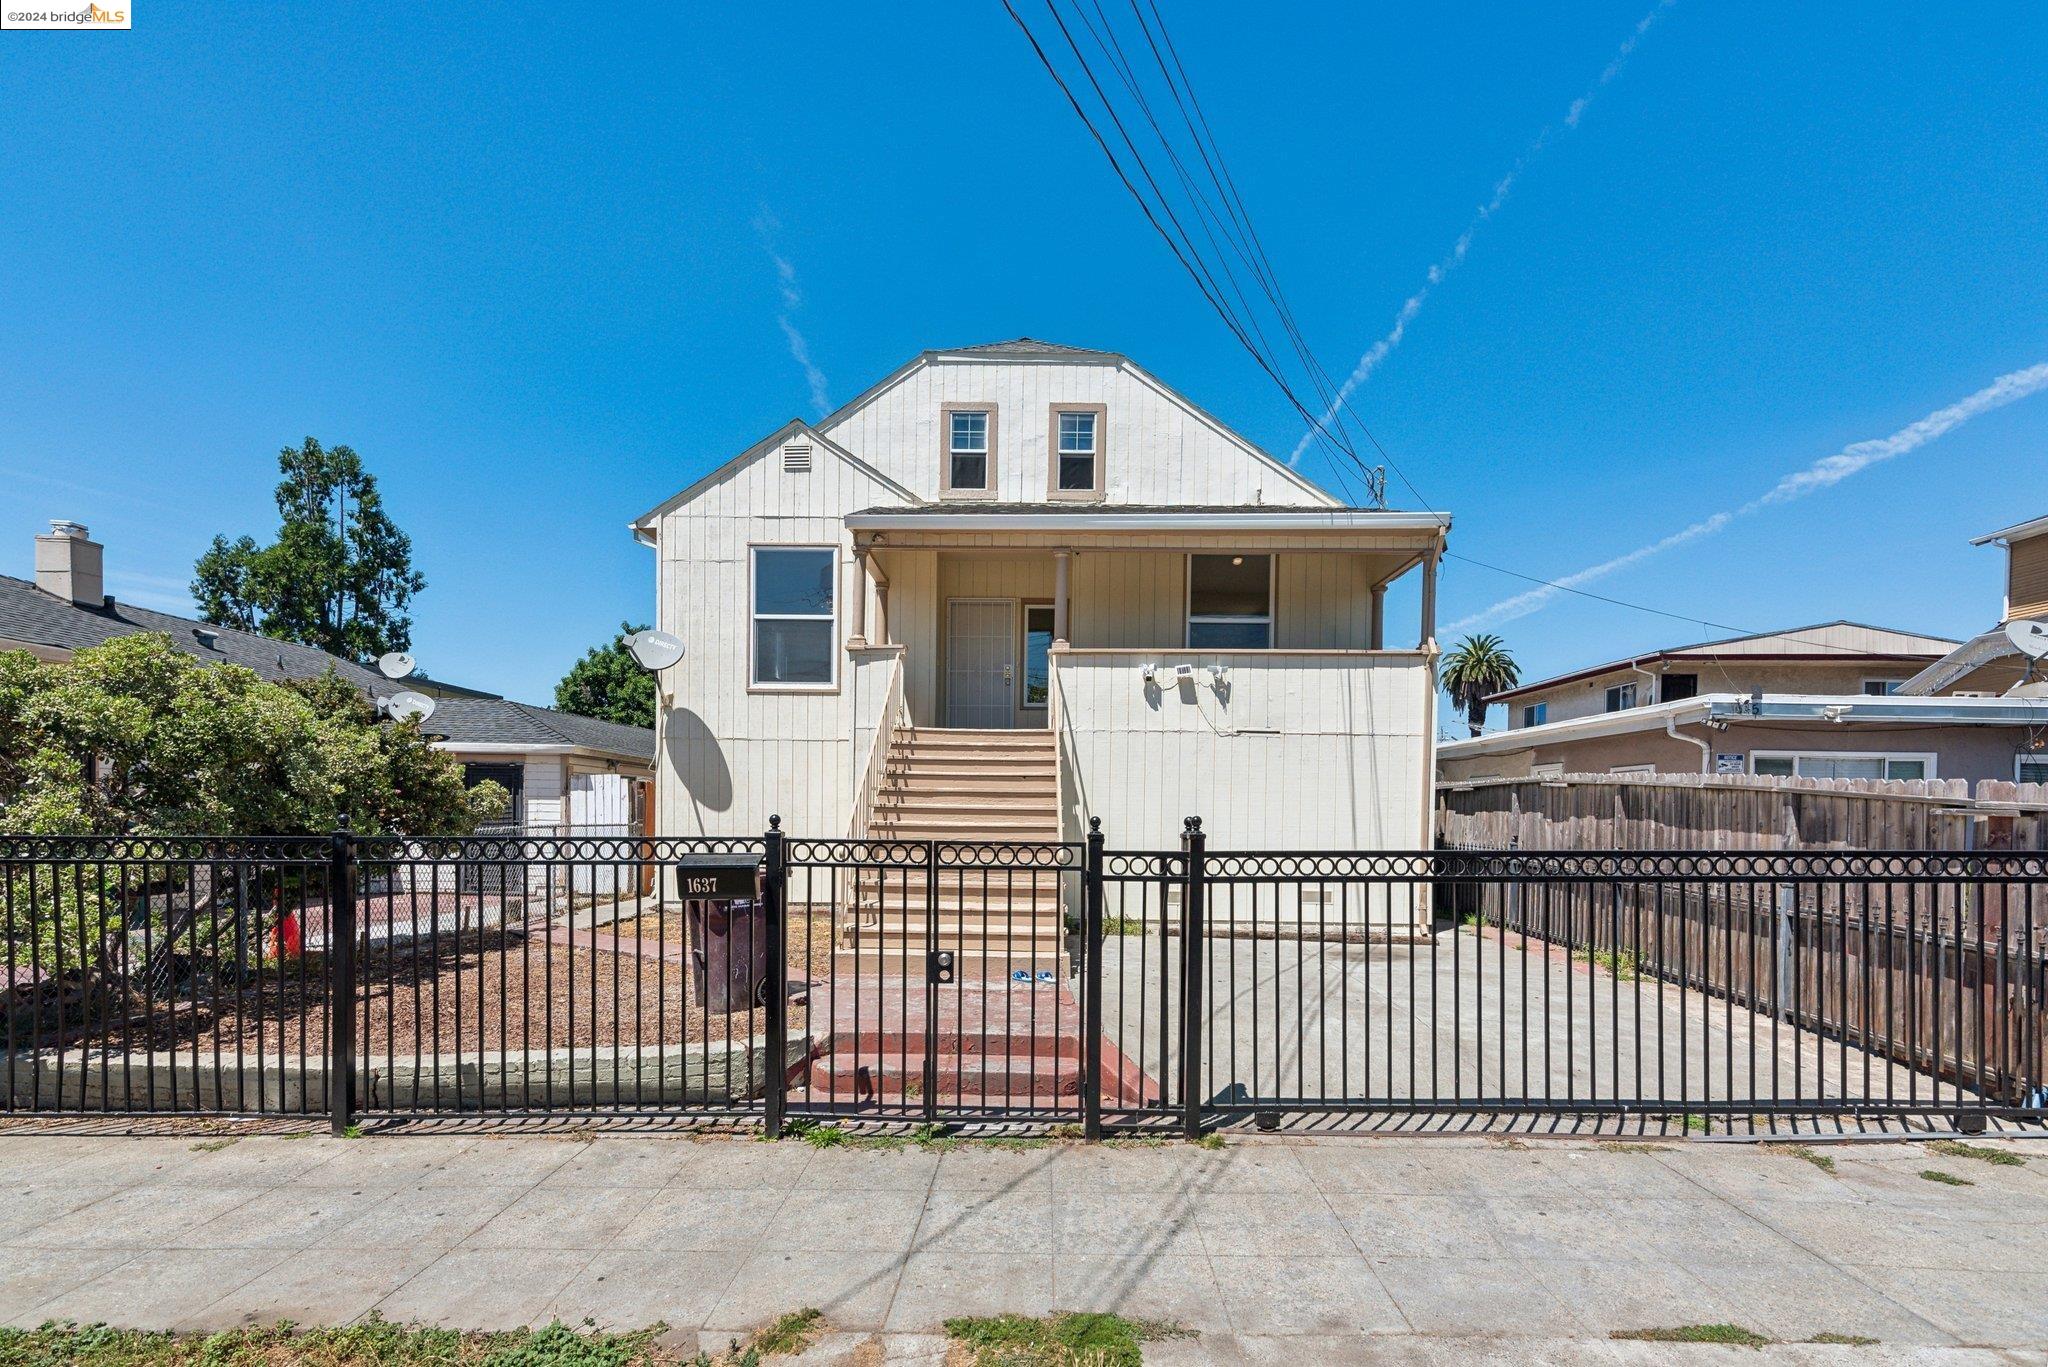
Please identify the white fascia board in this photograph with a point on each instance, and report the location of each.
(1651, 718)
(1298, 520)
(2019, 531)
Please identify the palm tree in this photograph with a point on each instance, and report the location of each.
(1479, 667)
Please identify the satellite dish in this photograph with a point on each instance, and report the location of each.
(396, 665)
(654, 651)
(408, 706)
(2028, 637)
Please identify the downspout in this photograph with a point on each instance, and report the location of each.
(1706, 749)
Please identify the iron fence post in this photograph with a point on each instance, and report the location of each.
(775, 892)
(1091, 984)
(341, 979)
(1194, 844)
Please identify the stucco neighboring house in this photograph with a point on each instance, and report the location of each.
(1012, 587)
(1825, 701)
(1990, 665)
(562, 770)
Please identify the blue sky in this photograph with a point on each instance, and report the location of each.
(522, 265)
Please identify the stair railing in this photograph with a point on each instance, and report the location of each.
(874, 761)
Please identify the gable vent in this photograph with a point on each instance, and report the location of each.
(796, 458)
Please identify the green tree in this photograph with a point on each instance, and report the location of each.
(609, 684)
(136, 738)
(339, 576)
(1478, 667)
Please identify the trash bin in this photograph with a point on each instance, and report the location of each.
(729, 945)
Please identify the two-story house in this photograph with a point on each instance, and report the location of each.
(1012, 587)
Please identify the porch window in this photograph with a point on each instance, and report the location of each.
(970, 449)
(794, 616)
(1840, 764)
(1230, 602)
(1077, 457)
(1037, 655)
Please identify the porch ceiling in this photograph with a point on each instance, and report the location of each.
(1011, 527)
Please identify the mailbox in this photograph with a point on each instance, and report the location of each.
(728, 929)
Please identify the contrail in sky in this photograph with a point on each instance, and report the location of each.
(1380, 350)
(1822, 474)
(792, 300)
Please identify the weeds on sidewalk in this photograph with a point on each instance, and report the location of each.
(1732, 1335)
(373, 1343)
(1804, 1154)
(1621, 963)
(1983, 1153)
(1065, 1340)
(1947, 1179)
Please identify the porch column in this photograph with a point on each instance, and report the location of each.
(1061, 576)
(857, 635)
(1376, 638)
(1428, 599)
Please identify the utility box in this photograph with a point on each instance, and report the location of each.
(727, 915)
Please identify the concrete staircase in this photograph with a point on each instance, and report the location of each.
(966, 786)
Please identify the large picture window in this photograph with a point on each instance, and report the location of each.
(1840, 764)
(794, 616)
(1230, 602)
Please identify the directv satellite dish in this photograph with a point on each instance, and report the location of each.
(408, 706)
(654, 651)
(2029, 638)
(396, 665)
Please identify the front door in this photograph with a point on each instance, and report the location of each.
(981, 662)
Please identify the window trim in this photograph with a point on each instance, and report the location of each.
(1926, 758)
(1187, 602)
(946, 486)
(754, 549)
(1052, 453)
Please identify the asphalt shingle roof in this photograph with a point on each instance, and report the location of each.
(30, 615)
(1030, 346)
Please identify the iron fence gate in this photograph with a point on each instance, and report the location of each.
(1044, 982)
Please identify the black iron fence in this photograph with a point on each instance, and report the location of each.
(785, 978)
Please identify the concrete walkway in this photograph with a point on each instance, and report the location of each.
(1272, 1250)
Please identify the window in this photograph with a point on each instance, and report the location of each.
(1535, 714)
(1621, 697)
(1676, 687)
(1230, 602)
(967, 462)
(1037, 655)
(1633, 769)
(2030, 768)
(1077, 456)
(1880, 688)
(793, 616)
(1788, 764)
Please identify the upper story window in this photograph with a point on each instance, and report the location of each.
(1077, 454)
(967, 462)
(1621, 697)
(1535, 714)
(1880, 688)
(1230, 602)
(794, 617)
(1673, 687)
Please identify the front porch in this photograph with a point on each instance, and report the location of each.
(1228, 661)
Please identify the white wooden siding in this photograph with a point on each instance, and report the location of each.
(733, 756)
(1308, 751)
(1158, 451)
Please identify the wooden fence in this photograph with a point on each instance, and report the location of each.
(1948, 976)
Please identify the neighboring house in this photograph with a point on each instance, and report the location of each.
(1990, 665)
(1012, 587)
(561, 769)
(1826, 701)
(1827, 658)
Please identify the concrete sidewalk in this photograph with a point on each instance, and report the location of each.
(1285, 1250)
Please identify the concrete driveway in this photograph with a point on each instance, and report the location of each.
(1271, 1250)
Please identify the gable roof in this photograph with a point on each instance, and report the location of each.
(33, 617)
(1821, 641)
(1030, 349)
(773, 441)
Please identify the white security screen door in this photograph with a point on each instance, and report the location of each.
(981, 662)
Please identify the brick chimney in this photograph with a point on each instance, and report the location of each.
(69, 565)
